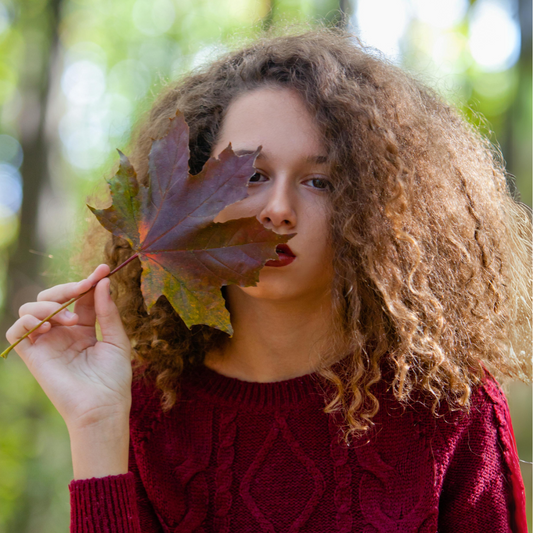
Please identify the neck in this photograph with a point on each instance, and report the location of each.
(272, 340)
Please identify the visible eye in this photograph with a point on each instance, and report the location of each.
(320, 183)
(256, 178)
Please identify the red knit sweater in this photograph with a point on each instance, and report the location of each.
(235, 456)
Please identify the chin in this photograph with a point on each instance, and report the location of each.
(286, 290)
(265, 291)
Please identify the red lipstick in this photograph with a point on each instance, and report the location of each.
(285, 254)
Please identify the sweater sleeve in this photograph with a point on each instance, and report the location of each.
(483, 488)
(112, 504)
(106, 504)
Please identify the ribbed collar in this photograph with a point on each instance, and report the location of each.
(246, 394)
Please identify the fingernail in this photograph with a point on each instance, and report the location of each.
(68, 314)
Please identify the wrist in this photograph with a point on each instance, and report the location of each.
(99, 417)
(100, 449)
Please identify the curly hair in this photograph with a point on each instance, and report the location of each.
(431, 250)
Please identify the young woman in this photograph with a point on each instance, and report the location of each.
(356, 393)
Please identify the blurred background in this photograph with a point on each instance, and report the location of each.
(74, 77)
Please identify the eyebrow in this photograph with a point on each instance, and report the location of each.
(317, 159)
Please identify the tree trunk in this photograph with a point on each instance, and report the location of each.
(23, 273)
(24, 279)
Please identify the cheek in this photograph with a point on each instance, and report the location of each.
(326, 259)
(326, 249)
(318, 250)
(319, 226)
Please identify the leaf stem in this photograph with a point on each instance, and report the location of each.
(72, 300)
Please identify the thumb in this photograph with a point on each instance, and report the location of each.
(108, 317)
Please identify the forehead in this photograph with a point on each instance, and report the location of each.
(315, 159)
(275, 118)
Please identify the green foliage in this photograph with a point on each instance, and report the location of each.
(34, 457)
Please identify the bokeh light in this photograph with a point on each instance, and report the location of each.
(116, 114)
(130, 78)
(10, 151)
(494, 35)
(83, 134)
(448, 51)
(5, 19)
(85, 50)
(382, 23)
(11, 188)
(153, 17)
(83, 82)
(440, 14)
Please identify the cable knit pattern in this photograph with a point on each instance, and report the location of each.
(507, 438)
(263, 522)
(235, 456)
(343, 476)
(386, 506)
(310, 466)
(224, 475)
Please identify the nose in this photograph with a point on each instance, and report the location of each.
(279, 211)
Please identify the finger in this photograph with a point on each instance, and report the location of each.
(20, 328)
(64, 292)
(41, 310)
(84, 307)
(109, 318)
(101, 271)
(59, 293)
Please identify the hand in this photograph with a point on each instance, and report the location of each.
(88, 381)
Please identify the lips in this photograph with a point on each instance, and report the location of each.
(285, 254)
(284, 249)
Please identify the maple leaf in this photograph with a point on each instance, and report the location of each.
(185, 256)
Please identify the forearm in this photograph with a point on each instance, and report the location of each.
(100, 449)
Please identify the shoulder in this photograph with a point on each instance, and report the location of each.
(485, 427)
(480, 459)
(488, 416)
(488, 412)
(478, 440)
(457, 468)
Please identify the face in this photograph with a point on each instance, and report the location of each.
(288, 194)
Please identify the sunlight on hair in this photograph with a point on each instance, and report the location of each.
(207, 53)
